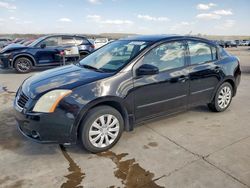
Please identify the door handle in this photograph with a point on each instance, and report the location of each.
(217, 69)
(183, 78)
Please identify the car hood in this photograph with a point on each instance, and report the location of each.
(67, 77)
(13, 47)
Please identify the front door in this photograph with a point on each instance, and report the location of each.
(48, 55)
(165, 92)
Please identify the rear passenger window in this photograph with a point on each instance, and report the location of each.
(67, 41)
(214, 53)
(81, 41)
(201, 52)
(222, 53)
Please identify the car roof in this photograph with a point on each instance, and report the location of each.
(158, 38)
(64, 35)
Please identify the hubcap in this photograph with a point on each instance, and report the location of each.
(104, 130)
(224, 97)
(23, 65)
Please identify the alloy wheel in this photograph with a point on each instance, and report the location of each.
(23, 65)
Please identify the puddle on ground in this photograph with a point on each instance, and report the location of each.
(131, 173)
(75, 175)
(5, 182)
(17, 184)
(10, 138)
(4, 89)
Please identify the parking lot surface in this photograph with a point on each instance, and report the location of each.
(197, 148)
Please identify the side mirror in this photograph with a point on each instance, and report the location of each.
(43, 45)
(147, 69)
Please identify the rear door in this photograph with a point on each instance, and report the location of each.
(204, 71)
(165, 92)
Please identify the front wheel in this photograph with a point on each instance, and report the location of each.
(222, 99)
(101, 129)
(23, 65)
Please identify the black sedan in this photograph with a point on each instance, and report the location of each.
(43, 52)
(124, 83)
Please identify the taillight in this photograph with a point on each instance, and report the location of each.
(93, 46)
(62, 53)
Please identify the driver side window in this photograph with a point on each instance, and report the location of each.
(50, 42)
(166, 56)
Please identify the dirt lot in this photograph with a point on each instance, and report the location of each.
(193, 149)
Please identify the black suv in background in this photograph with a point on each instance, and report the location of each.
(45, 51)
(4, 41)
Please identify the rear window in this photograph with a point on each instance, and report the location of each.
(101, 40)
(201, 52)
(67, 41)
(81, 41)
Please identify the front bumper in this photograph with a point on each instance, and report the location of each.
(45, 127)
(5, 62)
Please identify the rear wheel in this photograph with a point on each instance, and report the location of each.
(83, 55)
(222, 99)
(101, 129)
(23, 65)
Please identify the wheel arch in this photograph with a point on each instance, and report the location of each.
(231, 81)
(84, 52)
(30, 57)
(113, 102)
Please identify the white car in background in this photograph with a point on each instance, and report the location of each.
(245, 43)
(99, 42)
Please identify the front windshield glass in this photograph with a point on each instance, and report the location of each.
(114, 56)
(34, 43)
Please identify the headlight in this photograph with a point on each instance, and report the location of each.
(49, 101)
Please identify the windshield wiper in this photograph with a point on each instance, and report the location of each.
(91, 67)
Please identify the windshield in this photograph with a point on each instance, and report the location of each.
(34, 43)
(114, 56)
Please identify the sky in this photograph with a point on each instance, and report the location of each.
(212, 17)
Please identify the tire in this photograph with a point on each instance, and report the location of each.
(97, 142)
(83, 55)
(23, 65)
(222, 98)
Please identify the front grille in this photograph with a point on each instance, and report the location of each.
(22, 100)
